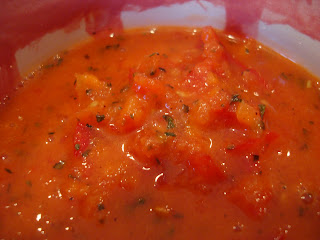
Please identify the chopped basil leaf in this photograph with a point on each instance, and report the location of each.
(255, 157)
(114, 46)
(301, 211)
(230, 147)
(262, 109)
(305, 131)
(185, 108)
(29, 183)
(8, 170)
(283, 75)
(88, 125)
(152, 73)
(86, 153)
(131, 115)
(169, 120)
(59, 165)
(48, 66)
(178, 215)
(90, 68)
(141, 201)
(247, 51)
(162, 69)
(100, 118)
(170, 86)
(71, 176)
(100, 207)
(236, 98)
(155, 53)
(124, 89)
(51, 133)
(77, 146)
(88, 91)
(59, 61)
(170, 134)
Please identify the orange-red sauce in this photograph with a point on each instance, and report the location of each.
(174, 134)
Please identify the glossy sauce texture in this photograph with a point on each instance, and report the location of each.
(166, 133)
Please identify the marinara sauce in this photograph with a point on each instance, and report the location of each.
(162, 133)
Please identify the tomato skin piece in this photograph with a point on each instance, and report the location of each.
(255, 144)
(252, 196)
(205, 167)
(147, 86)
(81, 139)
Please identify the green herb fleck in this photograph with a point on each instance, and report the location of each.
(185, 108)
(262, 109)
(59, 61)
(100, 117)
(124, 89)
(51, 133)
(77, 146)
(230, 147)
(255, 157)
(88, 91)
(236, 98)
(178, 215)
(170, 134)
(29, 183)
(90, 68)
(162, 69)
(155, 53)
(301, 211)
(305, 131)
(86, 153)
(158, 161)
(169, 120)
(109, 84)
(8, 170)
(114, 46)
(47, 66)
(101, 207)
(284, 76)
(247, 51)
(131, 115)
(152, 73)
(88, 125)
(59, 165)
(71, 176)
(141, 201)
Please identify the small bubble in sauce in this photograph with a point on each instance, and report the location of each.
(307, 198)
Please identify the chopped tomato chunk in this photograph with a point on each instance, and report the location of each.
(205, 167)
(251, 195)
(81, 139)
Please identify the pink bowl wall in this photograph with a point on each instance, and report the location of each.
(23, 21)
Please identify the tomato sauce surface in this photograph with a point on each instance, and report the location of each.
(162, 133)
